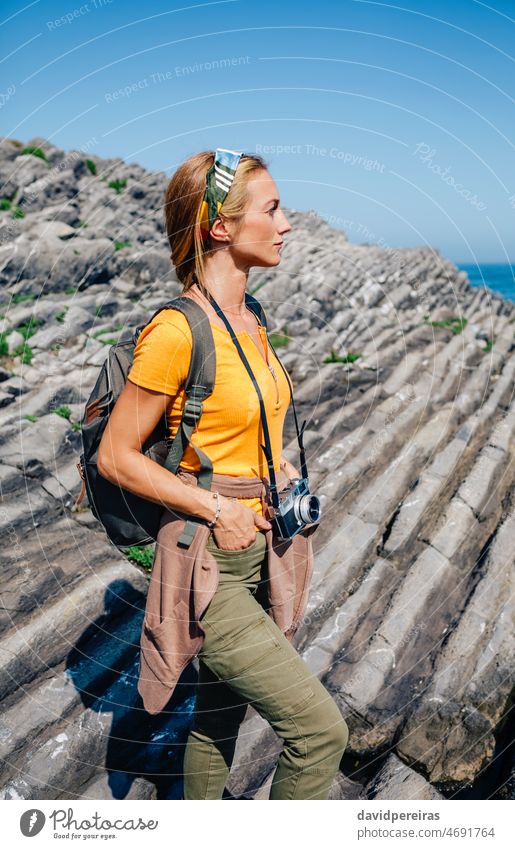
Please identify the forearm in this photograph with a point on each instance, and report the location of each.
(139, 474)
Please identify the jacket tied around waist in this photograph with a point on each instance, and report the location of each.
(184, 580)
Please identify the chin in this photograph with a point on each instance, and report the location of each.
(265, 262)
(274, 259)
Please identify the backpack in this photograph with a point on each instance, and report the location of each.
(129, 519)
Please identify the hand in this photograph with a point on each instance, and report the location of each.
(236, 525)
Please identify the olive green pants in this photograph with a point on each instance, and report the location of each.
(246, 659)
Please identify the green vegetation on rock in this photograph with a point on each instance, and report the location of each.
(17, 299)
(279, 340)
(63, 411)
(34, 151)
(336, 358)
(117, 185)
(141, 555)
(30, 327)
(25, 352)
(455, 323)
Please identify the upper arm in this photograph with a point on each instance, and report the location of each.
(132, 420)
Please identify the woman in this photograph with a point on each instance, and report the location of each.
(222, 218)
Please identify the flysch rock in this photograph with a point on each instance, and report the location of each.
(397, 781)
(410, 448)
(45, 639)
(450, 734)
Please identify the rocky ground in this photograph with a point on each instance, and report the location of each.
(411, 446)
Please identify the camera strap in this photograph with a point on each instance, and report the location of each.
(267, 448)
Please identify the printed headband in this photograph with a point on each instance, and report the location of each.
(218, 182)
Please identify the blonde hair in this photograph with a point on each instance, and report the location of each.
(183, 199)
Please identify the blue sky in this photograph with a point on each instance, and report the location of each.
(393, 122)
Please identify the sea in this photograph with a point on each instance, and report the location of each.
(496, 276)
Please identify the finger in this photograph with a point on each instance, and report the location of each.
(261, 522)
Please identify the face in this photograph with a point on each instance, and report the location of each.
(256, 239)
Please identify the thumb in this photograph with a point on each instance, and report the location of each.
(263, 523)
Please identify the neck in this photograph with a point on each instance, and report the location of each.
(226, 282)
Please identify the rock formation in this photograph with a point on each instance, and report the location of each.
(406, 375)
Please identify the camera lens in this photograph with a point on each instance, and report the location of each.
(309, 509)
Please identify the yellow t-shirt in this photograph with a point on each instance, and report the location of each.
(230, 431)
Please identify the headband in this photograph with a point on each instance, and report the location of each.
(218, 182)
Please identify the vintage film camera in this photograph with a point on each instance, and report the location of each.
(297, 508)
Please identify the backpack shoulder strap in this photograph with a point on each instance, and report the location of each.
(199, 385)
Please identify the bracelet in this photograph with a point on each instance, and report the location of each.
(218, 510)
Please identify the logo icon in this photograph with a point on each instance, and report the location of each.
(31, 822)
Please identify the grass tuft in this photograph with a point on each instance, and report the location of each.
(455, 323)
(117, 185)
(141, 555)
(34, 151)
(336, 358)
(63, 411)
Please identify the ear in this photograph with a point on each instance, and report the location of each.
(219, 231)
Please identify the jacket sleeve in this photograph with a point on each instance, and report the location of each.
(162, 354)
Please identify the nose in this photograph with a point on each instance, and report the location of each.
(284, 224)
